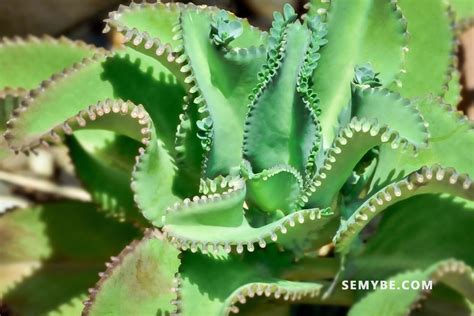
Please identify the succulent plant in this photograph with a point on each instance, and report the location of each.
(253, 163)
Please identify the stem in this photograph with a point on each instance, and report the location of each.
(46, 186)
(311, 269)
(338, 297)
(317, 269)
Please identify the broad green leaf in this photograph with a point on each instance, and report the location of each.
(96, 152)
(353, 142)
(153, 181)
(157, 19)
(434, 228)
(152, 170)
(220, 84)
(428, 180)
(51, 254)
(463, 11)
(139, 281)
(156, 30)
(448, 129)
(431, 47)
(27, 62)
(278, 114)
(106, 77)
(261, 189)
(396, 302)
(169, 42)
(202, 294)
(189, 151)
(390, 109)
(126, 75)
(216, 223)
(359, 32)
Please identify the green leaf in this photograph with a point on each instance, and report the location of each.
(431, 48)
(434, 228)
(126, 75)
(454, 274)
(358, 32)
(390, 109)
(27, 62)
(112, 190)
(220, 84)
(353, 142)
(463, 11)
(278, 114)
(214, 209)
(217, 295)
(216, 223)
(153, 181)
(155, 30)
(452, 95)
(166, 44)
(110, 77)
(366, 76)
(8, 103)
(157, 19)
(431, 226)
(51, 254)
(448, 129)
(189, 151)
(140, 280)
(289, 13)
(261, 189)
(223, 31)
(149, 29)
(428, 180)
(97, 152)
